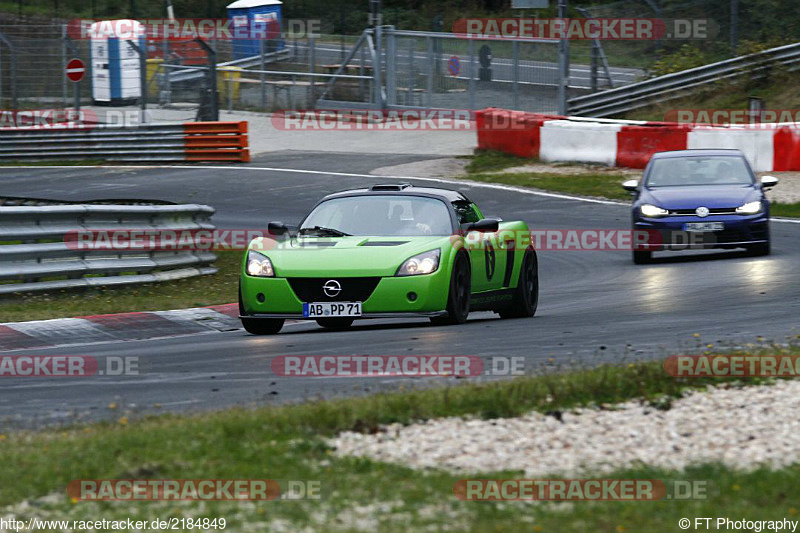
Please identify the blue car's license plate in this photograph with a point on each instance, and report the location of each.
(330, 309)
(704, 226)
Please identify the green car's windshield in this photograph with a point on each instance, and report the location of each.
(379, 215)
(693, 170)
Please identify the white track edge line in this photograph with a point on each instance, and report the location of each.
(471, 183)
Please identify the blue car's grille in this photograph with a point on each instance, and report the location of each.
(352, 289)
(714, 211)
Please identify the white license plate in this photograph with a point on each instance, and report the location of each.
(326, 309)
(704, 226)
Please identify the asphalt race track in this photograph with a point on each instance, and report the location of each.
(594, 305)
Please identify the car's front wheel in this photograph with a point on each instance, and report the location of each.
(642, 257)
(335, 323)
(526, 296)
(458, 299)
(756, 250)
(262, 326)
(258, 326)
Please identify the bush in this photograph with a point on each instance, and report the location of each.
(688, 56)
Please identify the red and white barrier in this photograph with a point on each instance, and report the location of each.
(562, 140)
(627, 143)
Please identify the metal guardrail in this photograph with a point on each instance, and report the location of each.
(191, 141)
(39, 259)
(177, 76)
(671, 86)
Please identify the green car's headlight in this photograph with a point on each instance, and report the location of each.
(750, 208)
(653, 211)
(259, 265)
(424, 263)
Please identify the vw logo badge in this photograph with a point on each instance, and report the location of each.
(332, 288)
(702, 212)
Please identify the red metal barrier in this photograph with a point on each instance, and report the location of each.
(786, 150)
(512, 132)
(635, 144)
(216, 141)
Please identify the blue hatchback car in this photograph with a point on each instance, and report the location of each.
(700, 199)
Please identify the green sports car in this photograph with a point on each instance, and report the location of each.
(389, 251)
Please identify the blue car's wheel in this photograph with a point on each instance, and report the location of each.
(642, 257)
(756, 250)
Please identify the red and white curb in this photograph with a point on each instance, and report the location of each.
(118, 327)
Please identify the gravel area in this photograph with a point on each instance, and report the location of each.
(446, 167)
(742, 428)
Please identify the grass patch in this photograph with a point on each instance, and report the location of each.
(219, 288)
(600, 185)
(493, 161)
(785, 210)
(288, 443)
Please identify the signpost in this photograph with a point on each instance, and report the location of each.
(454, 66)
(75, 71)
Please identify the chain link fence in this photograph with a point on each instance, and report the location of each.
(33, 59)
(388, 68)
(417, 69)
(445, 71)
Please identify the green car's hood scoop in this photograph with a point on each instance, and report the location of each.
(345, 256)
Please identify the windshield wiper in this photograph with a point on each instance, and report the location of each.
(322, 229)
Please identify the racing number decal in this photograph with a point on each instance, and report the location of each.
(490, 260)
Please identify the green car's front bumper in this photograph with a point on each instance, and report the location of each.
(424, 295)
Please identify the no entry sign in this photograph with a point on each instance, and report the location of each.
(75, 70)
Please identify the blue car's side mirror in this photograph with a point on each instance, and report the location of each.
(631, 185)
(768, 181)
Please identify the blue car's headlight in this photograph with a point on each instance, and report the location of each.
(424, 263)
(259, 265)
(652, 211)
(750, 208)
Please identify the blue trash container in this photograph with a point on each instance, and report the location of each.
(251, 17)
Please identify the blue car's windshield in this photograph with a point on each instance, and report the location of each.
(699, 170)
(380, 215)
